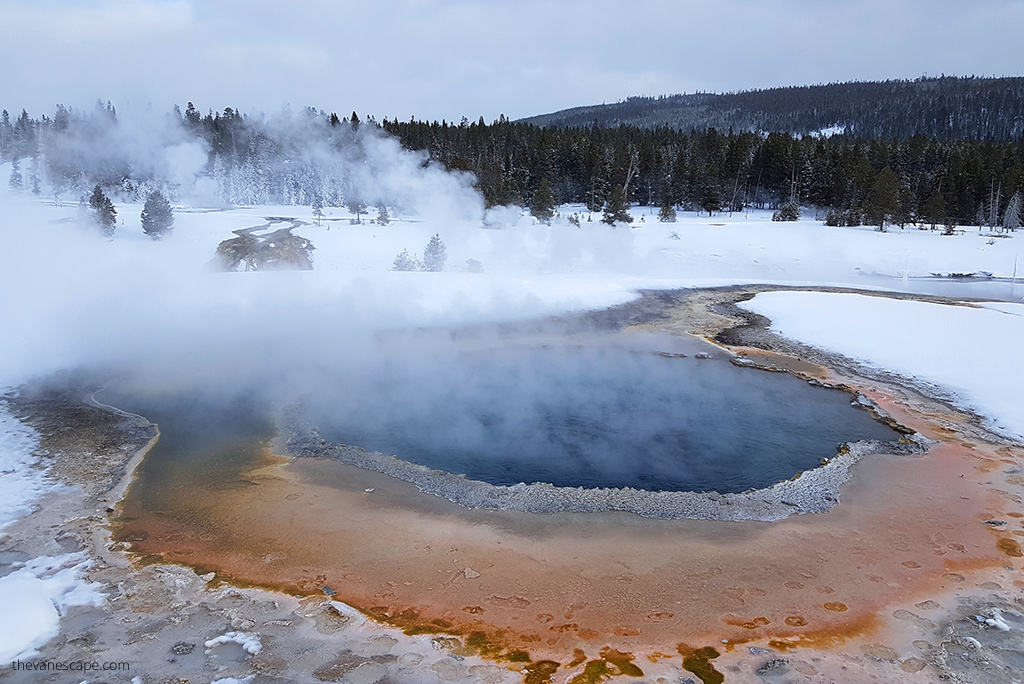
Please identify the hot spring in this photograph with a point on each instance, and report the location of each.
(599, 414)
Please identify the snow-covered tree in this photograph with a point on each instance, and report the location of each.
(790, 211)
(434, 254)
(357, 206)
(318, 209)
(383, 218)
(1011, 217)
(33, 175)
(405, 262)
(16, 180)
(157, 216)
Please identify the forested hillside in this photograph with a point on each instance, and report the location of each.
(944, 108)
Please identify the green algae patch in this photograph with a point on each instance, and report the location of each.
(593, 672)
(612, 663)
(698, 661)
(540, 672)
(1010, 547)
(623, 662)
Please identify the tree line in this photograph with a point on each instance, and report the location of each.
(315, 159)
(938, 181)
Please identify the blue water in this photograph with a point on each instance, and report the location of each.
(596, 416)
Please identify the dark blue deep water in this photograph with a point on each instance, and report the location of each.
(596, 416)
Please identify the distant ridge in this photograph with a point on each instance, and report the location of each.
(944, 108)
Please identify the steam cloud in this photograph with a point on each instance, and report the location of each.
(70, 299)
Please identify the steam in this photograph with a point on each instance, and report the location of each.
(155, 312)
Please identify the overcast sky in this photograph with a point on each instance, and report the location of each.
(452, 58)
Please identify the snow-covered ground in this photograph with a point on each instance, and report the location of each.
(34, 597)
(69, 298)
(970, 352)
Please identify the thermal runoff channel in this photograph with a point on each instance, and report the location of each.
(595, 415)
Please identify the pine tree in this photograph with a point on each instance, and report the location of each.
(318, 209)
(934, 209)
(16, 180)
(103, 211)
(883, 201)
(667, 212)
(617, 209)
(383, 218)
(543, 205)
(434, 254)
(405, 262)
(708, 196)
(157, 216)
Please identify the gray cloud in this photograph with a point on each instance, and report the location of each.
(454, 58)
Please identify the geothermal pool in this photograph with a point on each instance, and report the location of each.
(592, 415)
(600, 415)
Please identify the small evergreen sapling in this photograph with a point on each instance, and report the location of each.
(405, 262)
(790, 211)
(157, 216)
(434, 254)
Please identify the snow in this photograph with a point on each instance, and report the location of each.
(829, 131)
(970, 352)
(249, 642)
(234, 680)
(35, 596)
(997, 621)
(21, 479)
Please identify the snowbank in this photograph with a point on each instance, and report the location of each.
(33, 599)
(21, 481)
(971, 352)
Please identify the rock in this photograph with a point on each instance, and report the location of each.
(470, 573)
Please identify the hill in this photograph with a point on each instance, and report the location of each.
(946, 108)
